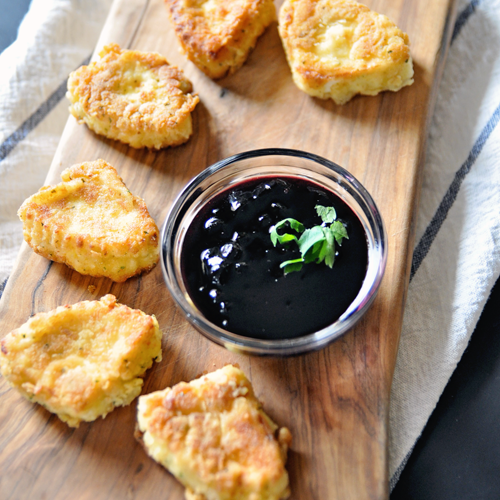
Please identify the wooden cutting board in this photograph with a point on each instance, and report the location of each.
(335, 401)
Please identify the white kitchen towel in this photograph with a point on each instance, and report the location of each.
(55, 37)
(456, 259)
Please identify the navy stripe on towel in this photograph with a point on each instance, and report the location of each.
(2, 286)
(463, 17)
(434, 226)
(45, 108)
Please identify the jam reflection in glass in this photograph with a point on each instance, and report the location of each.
(232, 270)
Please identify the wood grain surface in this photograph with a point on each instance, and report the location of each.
(335, 401)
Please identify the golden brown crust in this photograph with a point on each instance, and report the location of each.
(218, 35)
(92, 223)
(339, 48)
(213, 435)
(134, 97)
(81, 361)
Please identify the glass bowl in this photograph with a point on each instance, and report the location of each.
(255, 164)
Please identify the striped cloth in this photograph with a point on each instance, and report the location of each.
(456, 260)
(55, 38)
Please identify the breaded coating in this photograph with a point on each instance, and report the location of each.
(214, 437)
(92, 223)
(133, 97)
(81, 361)
(218, 35)
(339, 48)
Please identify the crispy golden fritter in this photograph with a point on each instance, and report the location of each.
(218, 35)
(92, 223)
(214, 437)
(134, 97)
(339, 48)
(81, 361)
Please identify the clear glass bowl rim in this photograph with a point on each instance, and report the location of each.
(377, 247)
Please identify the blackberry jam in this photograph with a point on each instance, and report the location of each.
(232, 270)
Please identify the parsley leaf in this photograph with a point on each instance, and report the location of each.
(316, 244)
(310, 243)
(339, 231)
(285, 238)
(327, 214)
(292, 265)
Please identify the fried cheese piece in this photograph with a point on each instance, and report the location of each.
(92, 223)
(214, 437)
(218, 35)
(339, 48)
(133, 97)
(81, 361)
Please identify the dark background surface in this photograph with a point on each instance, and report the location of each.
(458, 455)
(12, 13)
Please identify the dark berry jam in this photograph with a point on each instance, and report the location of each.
(232, 270)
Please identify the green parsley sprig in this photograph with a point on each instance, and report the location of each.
(316, 244)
